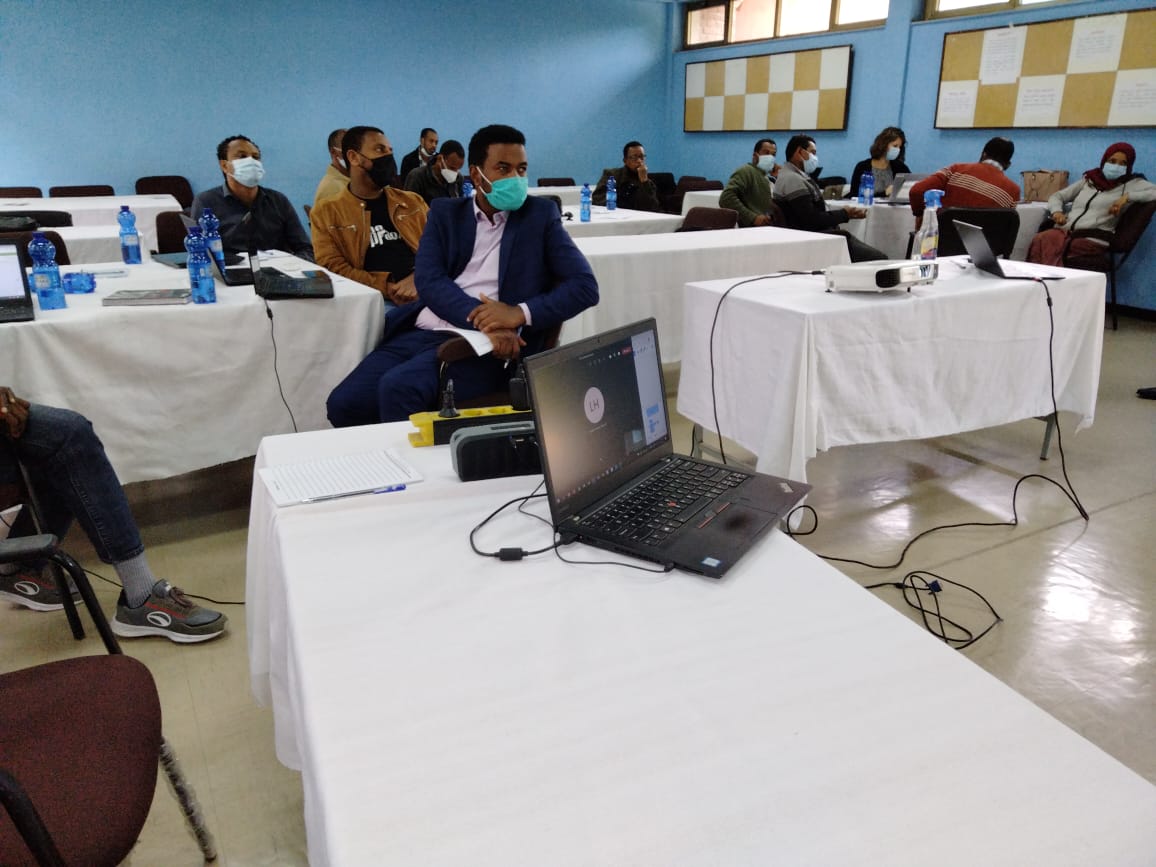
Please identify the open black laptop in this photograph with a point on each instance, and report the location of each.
(984, 258)
(15, 291)
(612, 477)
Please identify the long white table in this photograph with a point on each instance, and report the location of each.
(95, 244)
(700, 199)
(175, 389)
(446, 709)
(799, 370)
(102, 211)
(643, 275)
(620, 221)
(570, 196)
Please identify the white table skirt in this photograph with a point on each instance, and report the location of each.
(570, 196)
(643, 275)
(96, 244)
(887, 227)
(620, 221)
(799, 370)
(102, 210)
(454, 710)
(700, 199)
(175, 389)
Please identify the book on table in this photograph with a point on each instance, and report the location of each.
(141, 297)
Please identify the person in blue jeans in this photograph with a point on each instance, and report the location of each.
(73, 479)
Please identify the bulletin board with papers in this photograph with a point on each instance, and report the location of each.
(1094, 71)
(791, 90)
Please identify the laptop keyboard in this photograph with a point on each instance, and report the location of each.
(654, 509)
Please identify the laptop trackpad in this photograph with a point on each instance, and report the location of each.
(716, 534)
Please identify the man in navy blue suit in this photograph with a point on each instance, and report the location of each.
(500, 263)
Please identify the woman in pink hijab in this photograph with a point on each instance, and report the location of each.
(1096, 202)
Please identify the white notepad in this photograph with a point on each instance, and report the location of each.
(376, 472)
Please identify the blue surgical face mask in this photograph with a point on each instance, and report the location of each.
(248, 171)
(811, 163)
(892, 154)
(507, 194)
(766, 162)
(1114, 171)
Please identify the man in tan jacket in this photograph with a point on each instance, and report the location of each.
(370, 231)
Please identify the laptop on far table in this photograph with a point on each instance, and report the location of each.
(984, 258)
(612, 477)
(901, 187)
(15, 291)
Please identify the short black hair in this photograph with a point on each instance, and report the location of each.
(999, 149)
(761, 142)
(426, 131)
(802, 140)
(495, 133)
(630, 144)
(335, 138)
(354, 136)
(223, 147)
(453, 146)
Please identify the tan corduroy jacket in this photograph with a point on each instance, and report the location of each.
(341, 233)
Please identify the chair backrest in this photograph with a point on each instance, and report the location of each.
(663, 182)
(21, 193)
(176, 186)
(170, 232)
(83, 190)
(557, 200)
(778, 218)
(25, 238)
(44, 219)
(1131, 226)
(999, 225)
(709, 218)
(831, 181)
(556, 182)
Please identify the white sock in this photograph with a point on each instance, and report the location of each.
(137, 579)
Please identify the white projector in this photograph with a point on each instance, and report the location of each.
(880, 276)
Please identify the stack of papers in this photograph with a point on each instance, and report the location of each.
(332, 478)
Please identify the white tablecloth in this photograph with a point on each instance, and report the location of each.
(643, 275)
(102, 211)
(174, 389)
(887, 227)
(700, 199)
(93, 244)
(799, 370)
(620, 221)
(451, 710)
(569, 195)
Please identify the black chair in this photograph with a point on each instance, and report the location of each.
(706, 219)
(170, 232)
(1000, 227)
(556, 182)
(557, 200)
(1118, 246)
(458, 349)
(84, 190)
(23, 239)
(663, 183)
(176, 186)
(21, 193)
(43, 219)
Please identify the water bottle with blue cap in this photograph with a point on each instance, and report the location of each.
(584, 203)
(129, 237)
(926, 244)
(200, 271)
(611, 194)
(45, 273)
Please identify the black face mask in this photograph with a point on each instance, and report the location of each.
(384, 170)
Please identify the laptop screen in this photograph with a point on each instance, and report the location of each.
(13, 280)
(600, 407)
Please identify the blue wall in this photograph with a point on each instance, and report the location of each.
(895, 74)
(138, 87)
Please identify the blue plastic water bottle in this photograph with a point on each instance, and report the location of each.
(867, 188)
(467, 189)
(210, 226)
(926, 244)
(129, 237)
(45, 273)
(611, 194)
(584, 207)
(200, 270)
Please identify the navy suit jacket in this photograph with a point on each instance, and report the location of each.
(537, 264)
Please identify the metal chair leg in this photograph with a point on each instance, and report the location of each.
(187, 799)
(1050, 420)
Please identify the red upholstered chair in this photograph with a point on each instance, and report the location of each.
(84, 190)
(176, 186)
(556, 182)
(79, 744)
(21, 193)
(170, 232)
(698, 219)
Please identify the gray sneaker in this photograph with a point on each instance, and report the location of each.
(33, 589)
(168, 613)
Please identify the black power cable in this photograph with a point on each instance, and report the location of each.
(276, 373)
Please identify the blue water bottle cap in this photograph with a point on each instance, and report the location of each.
(933, 198)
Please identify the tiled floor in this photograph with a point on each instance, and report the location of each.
(1078, 600)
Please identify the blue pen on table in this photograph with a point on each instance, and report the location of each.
(389, 489)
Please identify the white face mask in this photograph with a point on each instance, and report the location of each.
(425, 153)
(1113, 171)
(248, 171)
(892, 154)
(766, 162)
(450, 175)
(811, 163)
